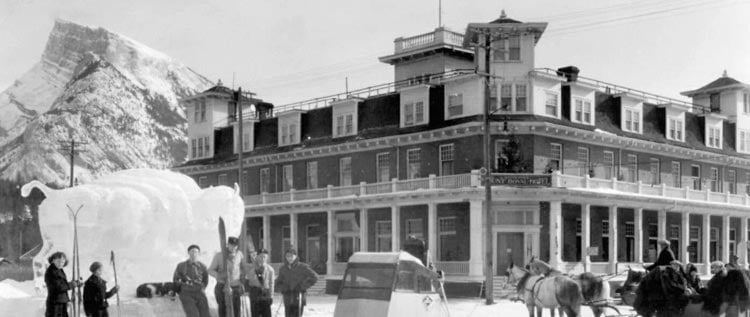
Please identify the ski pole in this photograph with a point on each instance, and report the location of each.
(114, 271)
(299, 305)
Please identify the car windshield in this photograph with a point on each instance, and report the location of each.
(371, 281)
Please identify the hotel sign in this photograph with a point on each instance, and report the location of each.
(521, 180)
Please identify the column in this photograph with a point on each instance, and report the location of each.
(705, 242)
(662, 235)
(432, 231)
(267, 232)
(685, 238)
(293, 230)
(742, 244)
(395, 229)
(586, 235)
(613, 235)
(638, 224)
(331, 242)
(555, 234)
(363, 226)
(725, 238)
(476, 243)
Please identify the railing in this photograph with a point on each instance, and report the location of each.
(614, 89)
(436, 37)
(453, 267)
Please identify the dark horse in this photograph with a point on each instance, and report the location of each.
(664, 292)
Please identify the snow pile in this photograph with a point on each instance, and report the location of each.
(10, 289)
(148, 217)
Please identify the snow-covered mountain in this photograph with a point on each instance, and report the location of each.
(115, 94)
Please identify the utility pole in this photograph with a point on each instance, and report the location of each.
(240, 122)
(488, 291)
(69, 146)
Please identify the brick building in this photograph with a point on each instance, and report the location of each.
(617, 167)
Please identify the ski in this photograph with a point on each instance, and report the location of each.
(223, 243)
(114, 271)
(75, 269)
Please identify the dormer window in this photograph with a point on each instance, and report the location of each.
(714, 137)
(414, 101)
(289, 127)
(509, 101)
(508, 49)
(455, 104)
(344, 124)
(582, 111)
(744, 143)
(551, 103)
(345, 117)
(200, 147)
(200, 111)
(632, 121)
(715, 102)
(675, 128)
(414, 113)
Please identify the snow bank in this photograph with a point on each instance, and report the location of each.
(148, 217)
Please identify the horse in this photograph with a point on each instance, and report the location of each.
(628, 288)
(551, 292)
(594, 289)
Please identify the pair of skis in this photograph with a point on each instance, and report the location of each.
(76, 267)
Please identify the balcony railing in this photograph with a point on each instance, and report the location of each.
(453, 267)
(439, 36)
(473, 180)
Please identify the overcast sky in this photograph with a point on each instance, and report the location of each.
(291, 50)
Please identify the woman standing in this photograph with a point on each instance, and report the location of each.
(57, 286)
(95, 293)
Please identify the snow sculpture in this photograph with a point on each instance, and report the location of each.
(148, 217)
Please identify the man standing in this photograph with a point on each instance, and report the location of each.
(235, 271)
(260, 278)
(192, 278)
(95, 293)
(294, 279)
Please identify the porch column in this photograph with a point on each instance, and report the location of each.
(638, 232)
(613, 234)
(586, 235)
(705, 242)
(555, 234)
(293, 230)
(363, 230)
(432, 232)
(267, 232)
(476, 243)
(331, 242)
(725, 238)
(395, 229)
(662, 235)
(685, 235)
(742, 244)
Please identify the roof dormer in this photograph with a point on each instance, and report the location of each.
(713, 130)
(414, 106)
(290, 127)
(345, 116)
(674, 123)
(631, 113)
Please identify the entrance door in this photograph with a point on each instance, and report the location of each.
(509, 248)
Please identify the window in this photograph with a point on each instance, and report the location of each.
(732, 181)
(520, 97)
(550, 104)
(284, 135)
(676, 174)
(609, 164)
(505, 97)
(414, 113)
(514, 48)
(200, 147)
(655, 169)
(287, 175)
(419, 112)
(344, 124)
(202, 181)
(582, 112)
(413, 163)
(206, 147)
(223, 179)
(715, 100)
(447, 225)
(200, 111)
(340, 125)
(493, 97)
(349, 124)
(746, 103)
(292, 133)
(501, 159)
(714, 180)
(583, 160)
(447, 244)
(245, 183)
(632, 121)
(265, 180)
(286, 237)
(744, 143)
(695, 174)
(455, 105)
(383, 236)
(383, 163)
(555, 157)
(194, 148)
(312, 175)
(246, 139)
(446, 159)
(631, 173)
(414, 227)
(409, 114)
(714, 137)
(605, 228)
(675, 129)
(345, 171)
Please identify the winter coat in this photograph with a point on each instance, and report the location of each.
(57, 285)
(191, 276)
(217, 270)
(261, 282)
(95, 295)
(665, 258)
(295, 278)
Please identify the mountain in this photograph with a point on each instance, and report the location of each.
(114, 94)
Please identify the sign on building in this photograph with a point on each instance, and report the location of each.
(592, 251)
(521, 180)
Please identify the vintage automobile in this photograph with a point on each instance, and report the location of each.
(392, 285)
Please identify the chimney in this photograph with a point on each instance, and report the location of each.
(570, 73)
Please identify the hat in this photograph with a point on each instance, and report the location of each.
(291, 250)
(95, 266)
(194, 246)
(263, 251)
(233, 240)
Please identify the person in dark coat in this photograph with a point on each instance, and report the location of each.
(294, 279)
(95, 293)
(192, 278)
(665, 255)
(57, 286)
(693, 278)
(260, 280)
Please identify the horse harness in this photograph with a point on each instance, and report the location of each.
(535, 292)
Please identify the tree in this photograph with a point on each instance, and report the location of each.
(511, 160)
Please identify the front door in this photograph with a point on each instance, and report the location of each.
(509, 249)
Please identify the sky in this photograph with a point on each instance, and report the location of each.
(293, 50)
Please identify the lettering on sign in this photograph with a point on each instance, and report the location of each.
(521, 180)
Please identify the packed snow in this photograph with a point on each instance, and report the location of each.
(147, 217)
